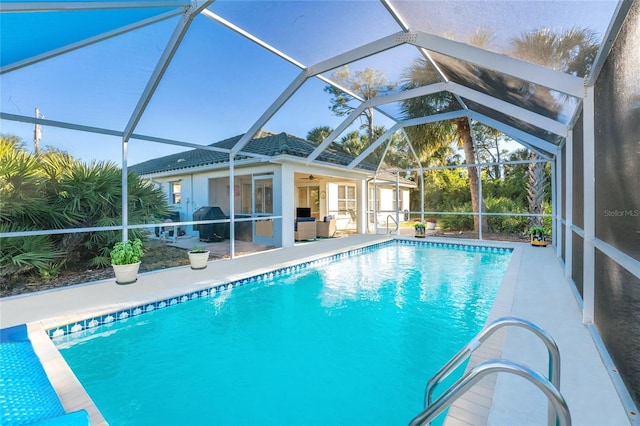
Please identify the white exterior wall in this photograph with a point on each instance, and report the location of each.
(386, 200)
(405, 203)
(202, 189)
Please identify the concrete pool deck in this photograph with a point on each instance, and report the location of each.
(534, 288)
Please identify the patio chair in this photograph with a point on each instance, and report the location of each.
(305, 229)
(326, 228)
(353, 218)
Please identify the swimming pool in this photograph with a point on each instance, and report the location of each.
(346, 341)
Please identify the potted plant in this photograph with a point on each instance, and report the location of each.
(198, 257)
(125, 259)
(431, 223)
(420, 229)
(538, 237)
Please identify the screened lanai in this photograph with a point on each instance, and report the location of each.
(137, 81)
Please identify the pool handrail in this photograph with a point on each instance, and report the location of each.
(394, 221)
(559, 415)
(482, 336)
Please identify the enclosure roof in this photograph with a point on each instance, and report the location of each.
(170, 71)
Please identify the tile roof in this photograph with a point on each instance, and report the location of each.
(264, 143)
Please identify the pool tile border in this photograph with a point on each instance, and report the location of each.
(60, 333)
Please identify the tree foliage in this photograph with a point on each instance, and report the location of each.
(367, 84)
(572, 51)
(319, 134)
(522, 188)
(432, 139)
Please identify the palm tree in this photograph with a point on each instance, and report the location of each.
(429, 139)
(573, 52)
(319, 134)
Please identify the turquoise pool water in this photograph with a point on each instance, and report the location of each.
(347, 342)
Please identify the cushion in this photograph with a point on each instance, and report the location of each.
(306, 219)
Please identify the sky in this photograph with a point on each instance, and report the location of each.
(220, 83)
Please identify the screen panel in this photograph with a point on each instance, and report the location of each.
(617, 209)
(510, 89)
(564, 243)
(617, 138)
(578, 175)
(618, 318)
(577, 262)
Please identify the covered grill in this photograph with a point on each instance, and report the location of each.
(210, 231)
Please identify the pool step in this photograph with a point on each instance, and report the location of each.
(558, 411)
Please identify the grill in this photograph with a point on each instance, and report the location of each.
(210, 231)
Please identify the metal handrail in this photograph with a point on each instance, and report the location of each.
(465, 352)
(556, 401)
(394, 221)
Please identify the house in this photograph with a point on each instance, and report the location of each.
(271, 179)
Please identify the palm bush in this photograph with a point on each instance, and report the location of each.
(458, 222)
(27, 254)
(505, 224)
(52, 190)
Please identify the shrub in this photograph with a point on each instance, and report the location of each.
(458, 222)
(52, 190)
(505, 224)
(27, 254)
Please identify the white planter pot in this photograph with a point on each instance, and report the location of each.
(431, 225)
(126, 274)
(198, 260)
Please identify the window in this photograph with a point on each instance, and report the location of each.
(263, 195)
(346, 198)
(174, 192)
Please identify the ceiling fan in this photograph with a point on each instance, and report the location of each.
(312, 177)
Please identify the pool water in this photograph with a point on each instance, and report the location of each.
(350, 342)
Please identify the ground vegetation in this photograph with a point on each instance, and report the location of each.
(157, 256)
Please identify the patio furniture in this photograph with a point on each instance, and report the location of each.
(352, 217)
(326, 228)
(264, 228)
(305, 229)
